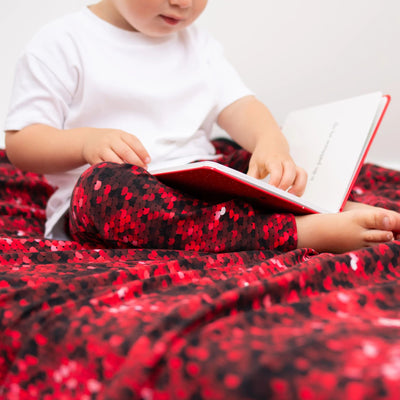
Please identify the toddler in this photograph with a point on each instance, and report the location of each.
(106, 95)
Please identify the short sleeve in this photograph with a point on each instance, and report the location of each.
(227, 82)
(38, 96)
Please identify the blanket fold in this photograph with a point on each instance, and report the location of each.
(93, 323)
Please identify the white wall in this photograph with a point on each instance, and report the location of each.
(292, 53)
(19, 20)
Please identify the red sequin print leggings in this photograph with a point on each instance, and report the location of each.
(121, 205)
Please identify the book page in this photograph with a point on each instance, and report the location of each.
(328, 142)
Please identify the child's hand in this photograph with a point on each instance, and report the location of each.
(115, 146)
(284, 173)
(252, 126)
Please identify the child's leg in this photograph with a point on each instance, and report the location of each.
(124, 206)
(360, 225)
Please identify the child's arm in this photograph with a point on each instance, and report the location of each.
(44, 149)
(251, 125)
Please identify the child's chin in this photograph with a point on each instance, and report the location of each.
(159, 34)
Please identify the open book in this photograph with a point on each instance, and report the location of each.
(329, 141)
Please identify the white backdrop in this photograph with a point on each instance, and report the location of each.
(291, 53)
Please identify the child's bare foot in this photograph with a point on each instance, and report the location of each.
(359, 225)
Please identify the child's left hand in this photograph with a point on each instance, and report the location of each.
(252, 126)
(284, 173)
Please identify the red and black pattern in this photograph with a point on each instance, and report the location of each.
(124, 206)
(82, 321)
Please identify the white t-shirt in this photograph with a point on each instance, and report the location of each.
(80, 71)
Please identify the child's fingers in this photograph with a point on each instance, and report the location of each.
(284, 175)
(288, 175)
(108, 155)
(261, 170)
(276, 170)
(300, 182)
(128, 156)
(253, 170)
(138, 151)
(125, 154)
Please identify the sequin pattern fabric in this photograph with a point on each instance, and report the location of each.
(100, 320)
(124, 206)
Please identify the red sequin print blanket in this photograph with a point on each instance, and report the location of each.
(82, 323)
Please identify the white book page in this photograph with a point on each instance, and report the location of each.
(328, 141)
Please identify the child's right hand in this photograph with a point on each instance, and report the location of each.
(46, 150)
(115, 146)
